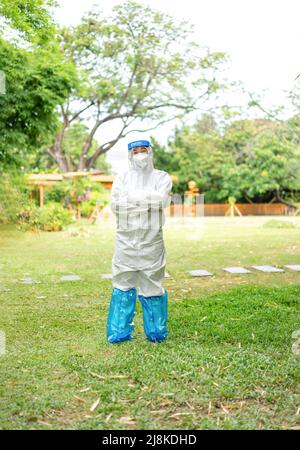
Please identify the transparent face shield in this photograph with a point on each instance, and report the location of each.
(139, 157)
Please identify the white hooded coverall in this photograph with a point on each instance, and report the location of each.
(138, 199)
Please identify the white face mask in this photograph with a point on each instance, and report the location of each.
(141, 160)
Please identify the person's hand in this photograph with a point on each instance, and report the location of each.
(136, 195)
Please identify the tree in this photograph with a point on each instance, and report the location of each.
(197, 156)
(35, 84)
(266, 159)
(273, 168)
(74, 138)
(253, 160)
(137, 64)
(37, 79)
(30, 19)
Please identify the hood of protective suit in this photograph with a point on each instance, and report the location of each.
(141, 166)
(140, 195)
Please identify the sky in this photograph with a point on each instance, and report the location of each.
(261, 38)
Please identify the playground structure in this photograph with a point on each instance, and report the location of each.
(47, 180)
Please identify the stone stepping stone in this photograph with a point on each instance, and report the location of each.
(199, 273)
(293, 267)
(236, 270)
(70, 278)
(28, 280)
(4, 289)
(268, 269)
(107, 276)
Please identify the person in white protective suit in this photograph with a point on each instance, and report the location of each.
(138, 199)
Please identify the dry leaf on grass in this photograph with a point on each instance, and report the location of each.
(81, 400)
(41, 422)
(102, 377)
(94, 405)
(159, 411)
(85, 389)
(117, 376)
(95, 375)
(224, 409)
(209, 408)
(189, 405)
(176, 415)
(126, 420)
(108, 417)
(166, 402)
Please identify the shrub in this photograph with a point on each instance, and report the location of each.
(14, 196)
(100, 198)
(78, 190)
(58, 192)
(86, 208)
(51, 217)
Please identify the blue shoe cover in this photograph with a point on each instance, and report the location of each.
(155, 315)
(119, 326)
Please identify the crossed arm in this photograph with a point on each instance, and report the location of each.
(140, 200)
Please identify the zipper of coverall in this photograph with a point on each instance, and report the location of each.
(137, 234)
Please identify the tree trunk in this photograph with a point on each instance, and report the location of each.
(248, 199)
(56, 150)
(83, 165)
(61, 161)
(281, 200)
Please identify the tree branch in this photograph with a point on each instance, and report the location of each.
(81, 111)
(162, 122)
(270, 115)
(281, 200)
(105, 147)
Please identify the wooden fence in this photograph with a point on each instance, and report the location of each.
(219, 209)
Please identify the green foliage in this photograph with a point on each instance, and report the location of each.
(50, 217)
(100, 198)
(36, 82)
(14, 196)
(57, 192)
(86, 209)
(163, 157)
(38, 79)
(75, 187)
(250, 160)
(31, 18)
(130, 69)
(122, 66)
(80, 189)
(130, 60)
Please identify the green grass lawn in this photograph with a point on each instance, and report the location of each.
(227, 363)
